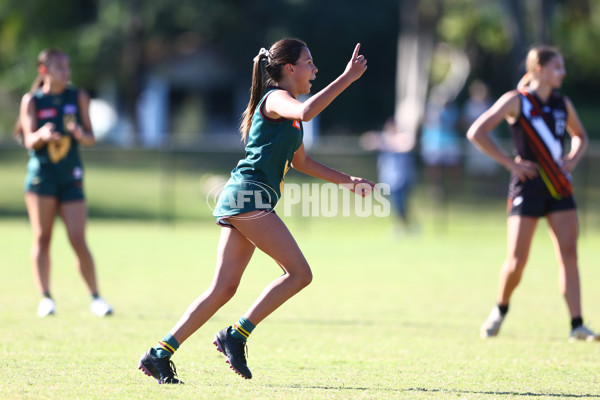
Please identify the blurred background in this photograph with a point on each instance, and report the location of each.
(169, 80)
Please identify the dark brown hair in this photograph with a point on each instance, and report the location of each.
(43, 58)
(282, 52)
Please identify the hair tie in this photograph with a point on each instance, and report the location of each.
(262, 52)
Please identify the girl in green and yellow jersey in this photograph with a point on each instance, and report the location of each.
(272, 130)
(53, 122)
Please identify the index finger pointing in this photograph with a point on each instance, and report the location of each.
(356, 49)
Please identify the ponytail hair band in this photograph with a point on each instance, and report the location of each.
(262, 52)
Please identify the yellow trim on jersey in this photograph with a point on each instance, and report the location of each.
(549, 185)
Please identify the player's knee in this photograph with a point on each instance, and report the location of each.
(224, 293)
(303, 278)
(568, 252)
(42, 242)
(515, 265)
(305, 281)
(78, 242)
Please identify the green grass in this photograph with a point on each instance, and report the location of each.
(385, 317)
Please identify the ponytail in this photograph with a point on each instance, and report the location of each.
(537, 56)
(269, 72)
(524, 81)
(256, 93)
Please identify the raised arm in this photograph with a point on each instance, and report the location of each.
(285, 105)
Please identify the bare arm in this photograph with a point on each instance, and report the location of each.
(304, 163)
(34, 139)
(83, 133)
(507, 107)
(579, 138)
(285, 105)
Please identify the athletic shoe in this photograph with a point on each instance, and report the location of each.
(161, 369)
(234, 351)
(46, 307)
(100, 307)
(492, 324)
(583, 333)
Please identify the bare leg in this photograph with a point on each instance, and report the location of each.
(42, 211)
(564, 230)
(236, 247)
(74, 215)
(520, 234)
(270, 235)
(233, 255)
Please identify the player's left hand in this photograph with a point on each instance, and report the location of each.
(75, 130)
(568, 164)
(360, 186)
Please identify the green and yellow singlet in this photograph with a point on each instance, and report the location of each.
(58, 162)
(256, 182)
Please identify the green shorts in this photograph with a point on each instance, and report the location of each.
(244, 196)
(47, 185)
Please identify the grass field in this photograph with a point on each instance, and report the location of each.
(386, 317)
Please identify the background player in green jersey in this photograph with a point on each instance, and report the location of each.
(272, 128)
(53, 121)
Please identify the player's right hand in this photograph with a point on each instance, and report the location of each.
(47, 133)
(524, 169)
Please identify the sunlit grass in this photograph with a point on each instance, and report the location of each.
(385, 317)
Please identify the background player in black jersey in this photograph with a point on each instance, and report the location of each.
(540, 185)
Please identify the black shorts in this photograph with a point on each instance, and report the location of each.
(533, 199)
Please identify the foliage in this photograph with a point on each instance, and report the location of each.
(116, 40)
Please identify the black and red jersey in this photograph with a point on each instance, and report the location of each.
(538, 136)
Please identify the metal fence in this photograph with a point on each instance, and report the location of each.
(171, 183)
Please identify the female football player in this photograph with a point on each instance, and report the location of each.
(539, 118)
(272, 129)
(53, 121)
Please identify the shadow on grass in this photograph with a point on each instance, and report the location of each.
(506, 393)
(450, 391)
(106, 214)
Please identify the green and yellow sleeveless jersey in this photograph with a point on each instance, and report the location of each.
(58, 161)
(256, 182)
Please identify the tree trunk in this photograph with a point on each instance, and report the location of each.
(415, 48)
(132, 64)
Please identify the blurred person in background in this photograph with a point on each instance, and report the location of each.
(441, 146)
(539, 117)
(272, 130)
(477, 164)
(395, 167)
(53, 121)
